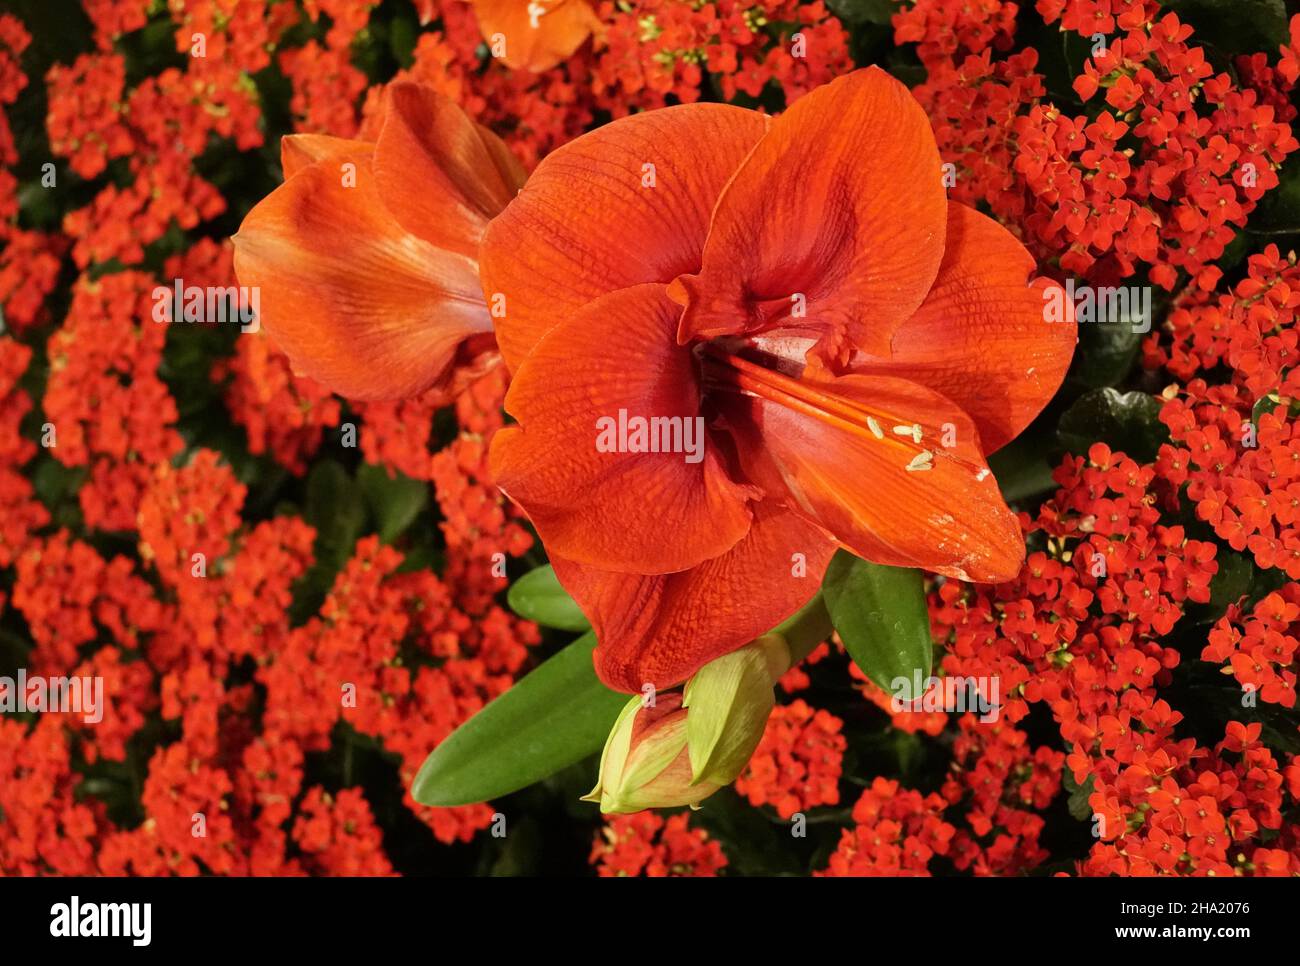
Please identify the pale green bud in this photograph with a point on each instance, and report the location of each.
(729, 701)
(645, 763)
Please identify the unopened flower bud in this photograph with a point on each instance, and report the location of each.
(729, 701)
(645, 763)
(689, 744)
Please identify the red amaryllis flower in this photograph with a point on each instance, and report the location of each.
(367, 256)
(851, 343)
(534, 34)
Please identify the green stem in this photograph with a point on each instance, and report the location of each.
(806, 629)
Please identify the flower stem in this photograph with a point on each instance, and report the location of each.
(806, 629)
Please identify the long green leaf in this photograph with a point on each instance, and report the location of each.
(395, 500)
(555, 716)
(1022, 469)
(1126, 421)
(881, 616)
(538, 596)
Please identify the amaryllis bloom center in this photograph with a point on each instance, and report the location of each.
(853, 344)
(812, 348)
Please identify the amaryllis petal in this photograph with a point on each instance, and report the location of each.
(535, 34)
(355, 301)
(895, 471)
(981, 337)
(603, 500)
(661, 629)
(836, 219)
(628, 203)
(297, 151)
(442, 176)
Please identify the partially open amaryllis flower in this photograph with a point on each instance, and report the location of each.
(367, 255)
(534, 34)
(849, 343)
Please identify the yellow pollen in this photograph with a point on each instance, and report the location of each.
(921, 461)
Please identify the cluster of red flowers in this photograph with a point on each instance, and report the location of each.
(995, 788)
(797, 764)
(651, 52)
(107, 409)
(399, 657)
(1261, 652)
(895, 832)
(1161, 177)
(284, 414)
(658, 48)
(648, 844)
(198, 633)
(20, 512)
(1080, 631)
(29, 259)
(156, 130)
(1235, 451)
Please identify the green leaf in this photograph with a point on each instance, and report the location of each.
(394, 501)
(1232, 581)
(1234, 26)
(1022, 470)
(520, 852)
(538, 596)
(555, 716)
(881, 616)
(402, 36)
(1279, 210)
(754, 844)
(1271, 404)
(1077, 803)
(863, 11)
(1129, 422)
(336, 509)
(805, 628)
(1107, 351)
(54, 482)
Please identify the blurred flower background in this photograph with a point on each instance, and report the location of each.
(292, 597)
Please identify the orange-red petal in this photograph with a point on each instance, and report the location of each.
(843, 454)
(535, 43)
(631, 512)
(661, 629)
(355, 301)
(839, 212)
(981, 337)
(586, 223)
(442, 176)
(297, 151)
